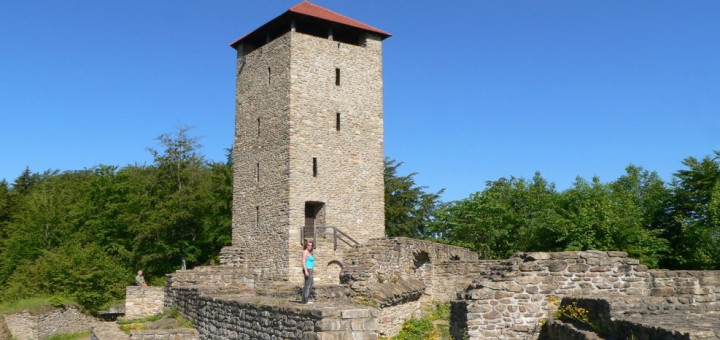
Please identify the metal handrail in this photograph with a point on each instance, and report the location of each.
(337, 235)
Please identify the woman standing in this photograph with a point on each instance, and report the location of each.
(308, 261)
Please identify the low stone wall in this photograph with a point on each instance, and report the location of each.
(21, 325)
(387, 259)
(402, 275)
(700, 289)
(258, 317)
(491, 299)
(390, 319)
(639, 317)
(217, 278)
(211, 276)
(142, 301)
(510, 302)
(25, 325)
(4, 331)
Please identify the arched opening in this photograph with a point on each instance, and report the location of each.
(334, 268)
(420, 259)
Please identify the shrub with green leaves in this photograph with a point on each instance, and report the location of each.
(83, 272)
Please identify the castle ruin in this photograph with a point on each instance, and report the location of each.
(309, 165)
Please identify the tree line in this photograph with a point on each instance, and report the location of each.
(82, 234)
(674, 225)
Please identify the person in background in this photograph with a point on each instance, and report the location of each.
(308, 262)
(139, 279)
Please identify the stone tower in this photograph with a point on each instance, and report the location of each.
(308, 147)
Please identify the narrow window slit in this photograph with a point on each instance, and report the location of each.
(337, 76)
(258, 127)
(314, 166)
(337, 121)
(257, 171)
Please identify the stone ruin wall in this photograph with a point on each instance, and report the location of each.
(441, 268)
(247, 316)
(490, 299)
(401, 276)
(142, 301)
(27, 326)
(512, 301)
(224, 304)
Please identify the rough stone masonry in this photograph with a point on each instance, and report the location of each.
(309, 156)
(308, 145)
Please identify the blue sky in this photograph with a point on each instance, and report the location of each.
(474, 90)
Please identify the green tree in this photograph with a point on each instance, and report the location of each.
(5, 203)
(178, 199)
(108, 210)
(217, 223)
(507, 216)
(547, 229)
(25, 181)
(409, 209)
(159, 217)
(39, 221)
(694, 233)
(610, 217)
(83, 272)
(646, 197)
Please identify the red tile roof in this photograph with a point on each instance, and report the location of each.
(313, 10)
(307, 8)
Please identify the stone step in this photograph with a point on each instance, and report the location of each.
(559, 330)
(107, 331)
(347, 336)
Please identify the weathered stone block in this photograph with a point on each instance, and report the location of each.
(617, 254)
(493, 315)
(370, 324)
(578, 268)
(663, 291)
(332, 325)
(557, 266)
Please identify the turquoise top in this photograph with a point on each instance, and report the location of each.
(310, 261)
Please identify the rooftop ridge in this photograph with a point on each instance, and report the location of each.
(310, 9)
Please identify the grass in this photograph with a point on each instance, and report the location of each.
(144, 323)
(70, 336)
(36, 305)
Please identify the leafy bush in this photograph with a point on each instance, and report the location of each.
(83, 272)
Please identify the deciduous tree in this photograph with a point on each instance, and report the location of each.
(409, 209)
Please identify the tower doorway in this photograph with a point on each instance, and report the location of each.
(314, 216)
